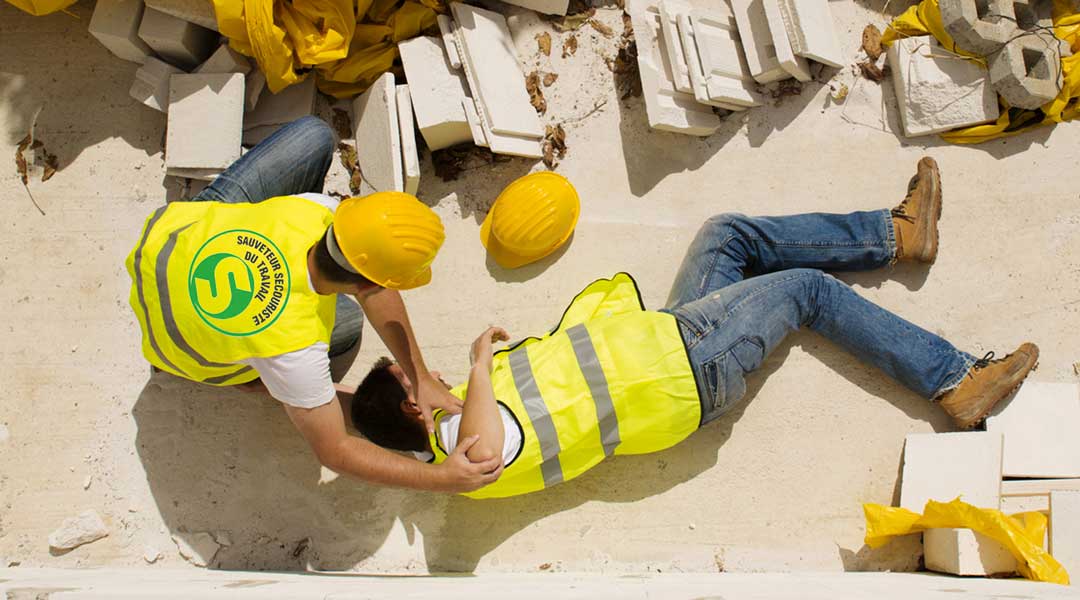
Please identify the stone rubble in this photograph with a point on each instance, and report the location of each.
(75, 531)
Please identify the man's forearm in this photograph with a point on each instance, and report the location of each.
(480, 416)
(362, 459)
(386, 312)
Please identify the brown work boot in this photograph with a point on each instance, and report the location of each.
(915, 220)
(987, 383)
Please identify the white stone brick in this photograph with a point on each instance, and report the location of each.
(410, 162)
(667, 108)
(253, 88)
(437, 92)
(547, 7)
(475, 128)
(291, 103)
(225, 60)
(727, 77)
(446, 30)
(757, 42)
(673, 44)
(487, 53)
(1040, 429)
(178, 42)
(199, 12)
(1011, 505)
(698, 79)
(206, 113)
(796, 66)
(115, 24)
(1034, 487)
(935, 91)
(942, 466)
(378, 137)
(809, 24)
(1065, 530)
(964, 552)
(151, 84)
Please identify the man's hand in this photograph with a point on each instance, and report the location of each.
(459, 475)
(481, 353)
(430, 394)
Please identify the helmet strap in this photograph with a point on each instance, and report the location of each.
(335, 251)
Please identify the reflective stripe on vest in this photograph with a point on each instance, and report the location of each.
(589, 363)
(539, 416)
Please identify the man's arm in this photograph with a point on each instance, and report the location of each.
(480, 415)
(324, 429)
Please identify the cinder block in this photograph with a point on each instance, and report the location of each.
(151, 84)
(757, 41)
(179, 42)
(727, 78)
(475, 128)
(1011, 505)
(979, 26)
(794, 65)
(487, 53)
(446, 30)
(206, 112)
(673, 44)
(1033, 14)
(116, 25)
(964, 552)
(547, 7)
(225, 60)
(1065, 530)
(937, 92)
(1027, 72)
(291, 103)
(437, 92)
(942, 466)
(1034, 487)
(1039, 426)
(199, 12)
(410, 162)
(809, 24)
(378, 137)
(667, 108)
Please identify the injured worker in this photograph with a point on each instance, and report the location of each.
(614, 378)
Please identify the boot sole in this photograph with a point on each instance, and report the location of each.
(969, 423)
(930, 230)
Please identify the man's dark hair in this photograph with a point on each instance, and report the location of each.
(377, 412)
(330, 269)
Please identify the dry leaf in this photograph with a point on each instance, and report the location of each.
(545, 566)
(342, 123)
(536, 95)
(787, 87)
(840, 93)
(600, 27)
(871, 42)
(348, 159)
(21, 165)
(871, 71)
(543, 40)
(52, 165)
(569, 47)
(554, 146)
(572, 22)
(550, 78)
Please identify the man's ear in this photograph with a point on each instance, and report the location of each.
(409, 407)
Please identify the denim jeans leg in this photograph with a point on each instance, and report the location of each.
(348, 325)
(729, 333)
(731, 247)
(294, 160)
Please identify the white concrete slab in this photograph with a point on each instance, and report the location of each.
(151, 83)
(757, 41)
(1040, 428)
(727, 77)
(1011, 505)
(116, 25)
(206, 112)
(291, 103)
(410, 162)
(673, 43)
(200, 12)
(437, 92)
(809, 24)
(178, 42)
(225, 60)
(1065, 530)
(1032, 487)
(446, 30)
(378, 137)
(473, 119)
(547, 7)
(942, 466)
(965, 552)
(698, 79)
(795, 65)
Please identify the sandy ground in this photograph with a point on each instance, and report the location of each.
(776, 485)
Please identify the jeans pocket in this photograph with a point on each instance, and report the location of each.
(725, 373)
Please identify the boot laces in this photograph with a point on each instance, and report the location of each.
(985, 361)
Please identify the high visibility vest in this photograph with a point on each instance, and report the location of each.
(215, 283)
(611, 378)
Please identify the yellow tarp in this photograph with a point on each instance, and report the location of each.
(1021, 534)
(925, 19)
(41, 7)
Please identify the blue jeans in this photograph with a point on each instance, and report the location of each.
(294, 160)
(746, 282)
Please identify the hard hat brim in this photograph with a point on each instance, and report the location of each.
(505, 257)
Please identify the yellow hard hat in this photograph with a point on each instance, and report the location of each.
(391, 238)
(530, 219)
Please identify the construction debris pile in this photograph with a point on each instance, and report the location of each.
(692, 61)
(1027, 460)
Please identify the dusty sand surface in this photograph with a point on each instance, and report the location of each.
(776, 485)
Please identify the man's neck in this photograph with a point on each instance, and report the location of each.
(320, 283)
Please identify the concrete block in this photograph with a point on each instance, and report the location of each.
(178, 42)
(225, 60)
(487, 53)
(942, 466)
(253, 88)
(291, 103)
(199, 12)
(446, 30)
(667, 108)
(115, 24)
(410, 162)
(698, 78)
(254, 135)
(151, 85)
(1033, 14)
(757, 42)
(378, 137)
(475, 128)
(1011, 505)
(547, 7)
(673, 44)
(794, 65)
(1065, 530)
(809, 24)
(964, 552)
(727, 77)
(1027, 72)
(437, 92)
(206, 113)
(979, 26)
(1034, 487)
(936, 92)
(1039, 426)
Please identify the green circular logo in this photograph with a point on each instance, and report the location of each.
(239, 282)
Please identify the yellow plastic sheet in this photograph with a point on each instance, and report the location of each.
(1021, 534)
(925, 19)
(41, 7)
(347, 43)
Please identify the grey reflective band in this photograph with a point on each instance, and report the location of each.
(137, 267)
(335, 251)
(537, 409)
(589, 363)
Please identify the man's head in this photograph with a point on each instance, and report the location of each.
(385, 413)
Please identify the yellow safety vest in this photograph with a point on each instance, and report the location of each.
(611, 378)
(215, 283)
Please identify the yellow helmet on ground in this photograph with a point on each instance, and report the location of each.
(530, 219)
(391, 238)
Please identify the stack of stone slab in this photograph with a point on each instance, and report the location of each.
(1028, 459)
(385, 137)
(692, 60)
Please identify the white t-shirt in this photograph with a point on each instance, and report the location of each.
(302, 377)
(448, 435)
